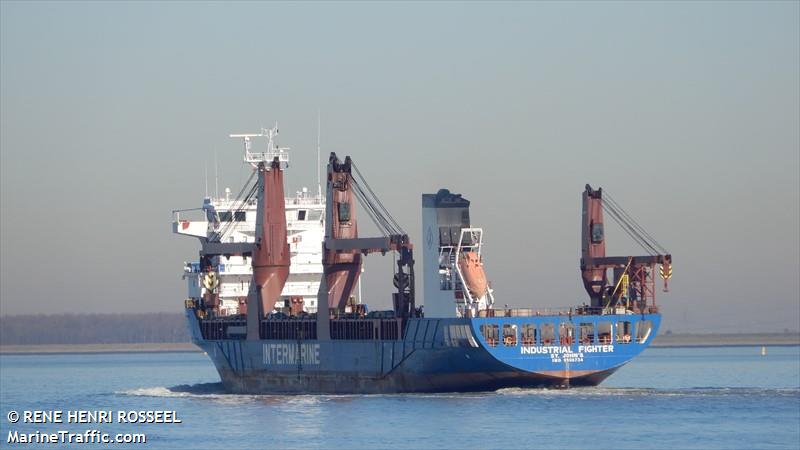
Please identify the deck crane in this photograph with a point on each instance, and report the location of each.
(343, 249)
(269, 253)
(633, 282)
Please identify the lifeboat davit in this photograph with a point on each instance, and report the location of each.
(471, 267)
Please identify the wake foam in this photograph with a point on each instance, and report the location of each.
(216, 391)
(653, 392)
(202, 390)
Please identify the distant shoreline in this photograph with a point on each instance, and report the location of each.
(725, 340)
(663, 341)
(184, 347)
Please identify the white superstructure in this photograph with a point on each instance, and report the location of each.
(234, 220)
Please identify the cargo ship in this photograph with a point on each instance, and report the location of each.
(273, 298)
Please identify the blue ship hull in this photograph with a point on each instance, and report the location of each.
(437, 355)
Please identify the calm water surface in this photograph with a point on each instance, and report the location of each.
(722, 397)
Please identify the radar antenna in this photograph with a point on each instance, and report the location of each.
(272, 151)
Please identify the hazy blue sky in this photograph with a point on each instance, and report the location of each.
(688, 113)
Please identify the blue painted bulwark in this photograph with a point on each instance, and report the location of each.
(438, 355)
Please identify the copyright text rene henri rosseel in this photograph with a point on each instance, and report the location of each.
(88, 417)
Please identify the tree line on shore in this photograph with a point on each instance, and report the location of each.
(93, 329)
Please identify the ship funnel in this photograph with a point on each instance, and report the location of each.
(271, 251)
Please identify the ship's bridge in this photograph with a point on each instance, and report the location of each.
(230, 221)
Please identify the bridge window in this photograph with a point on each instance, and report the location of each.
(586, 331)
(509, 335)
(548, 334)
(597, 232)
(490, 334)
(604, 332)
(229, 216)
(566, 333)
(314, 214)
(344, 212)
(528, 334)
(624, 332)
(301, 214)
(643, 329)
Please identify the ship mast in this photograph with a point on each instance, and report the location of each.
(272, 151)
(270, 252)
(319, 160)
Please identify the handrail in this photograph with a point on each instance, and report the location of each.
(579, 311)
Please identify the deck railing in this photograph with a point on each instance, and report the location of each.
(235, 327)
(577, 311)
